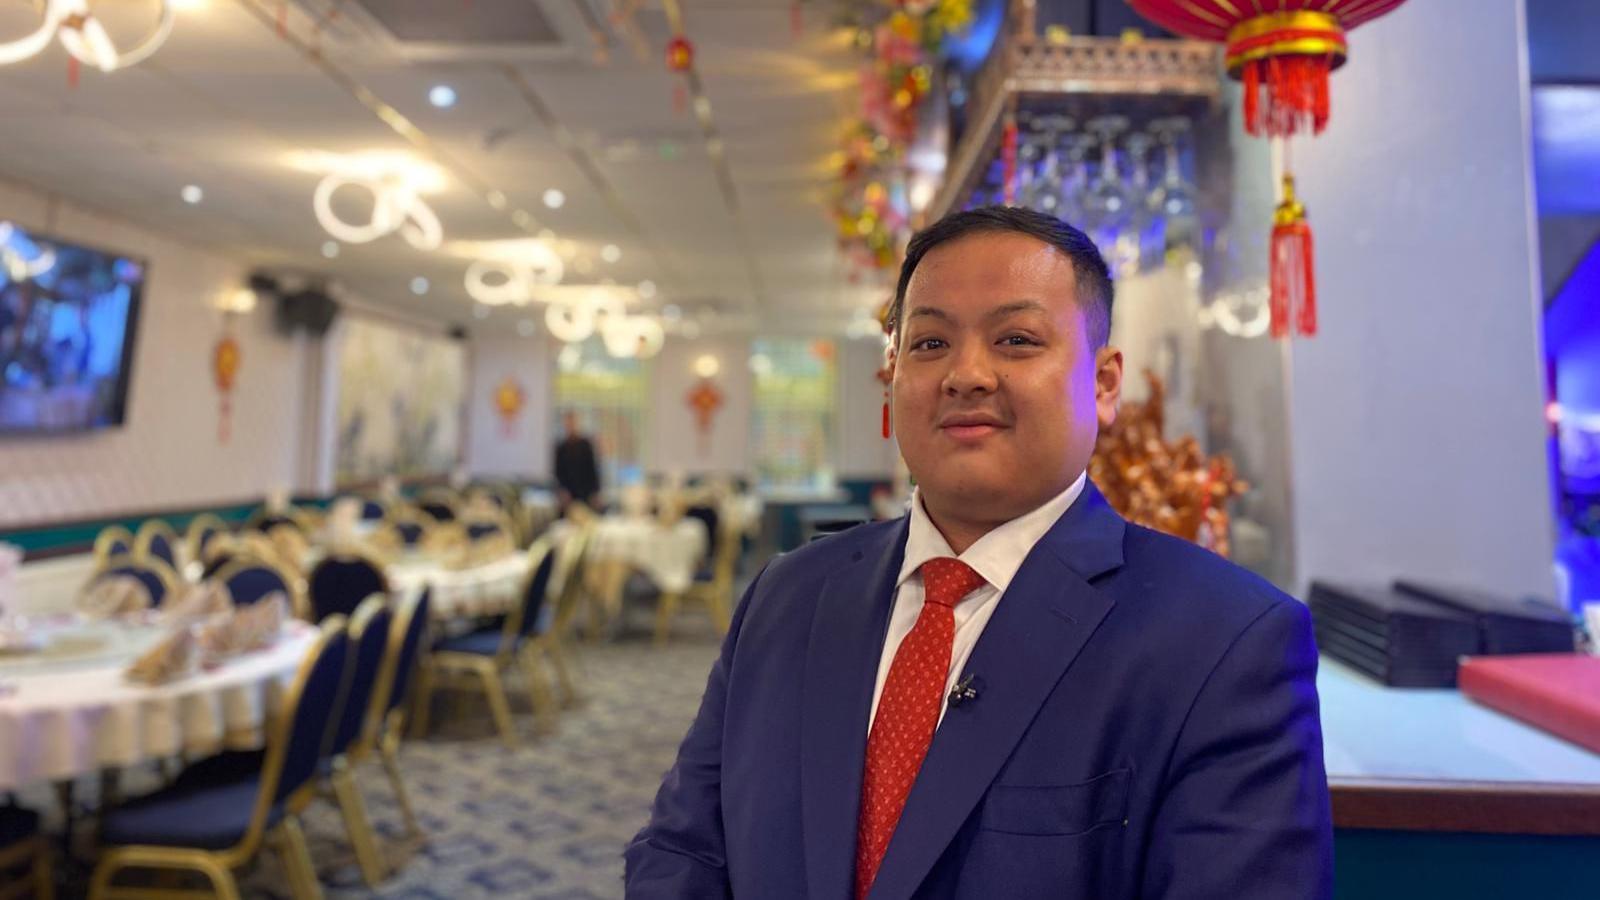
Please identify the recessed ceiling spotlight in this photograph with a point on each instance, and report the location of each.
(419, 285)
(526, 328)
(611, 253)
(442, 95)
(554, 199)
(647, 289)
(192, 194)
(330, 249)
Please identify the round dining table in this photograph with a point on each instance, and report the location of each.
(68, 710)
(488, 589)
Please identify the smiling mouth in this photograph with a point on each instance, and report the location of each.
(973, 431)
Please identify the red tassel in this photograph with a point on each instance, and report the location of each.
(1294, 277)
(283, 18)
(797, 20)
(73, 68)
(1252, 98)
(1008, 165)
(886, 431)
(680, 98)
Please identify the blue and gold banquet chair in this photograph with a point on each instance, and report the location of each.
(479, 659)
(111, 542)
(156, 540)
(370, 638)
(157, 577)
(341, 580)
(202, 530)
(25, 869)
(214, 828)
(250, 579)
(408, 637)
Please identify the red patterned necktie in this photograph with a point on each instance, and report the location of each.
(908, 711)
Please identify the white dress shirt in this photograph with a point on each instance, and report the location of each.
(996, 556)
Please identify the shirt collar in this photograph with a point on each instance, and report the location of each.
(997, 555)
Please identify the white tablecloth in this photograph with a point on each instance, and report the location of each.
(61, 722)
(487, 590)
(668, 555)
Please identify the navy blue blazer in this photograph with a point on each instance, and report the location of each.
(1146, 726)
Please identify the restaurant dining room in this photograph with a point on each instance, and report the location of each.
(799, 449)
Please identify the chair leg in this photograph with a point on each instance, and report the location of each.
(495, 691)
(356, 823)
(544, 707)
(222, 879)
(558, 661)
(422, 702)
(666, 610)
(303, 883)
(44, 877)
(389, 754)
(721, 615)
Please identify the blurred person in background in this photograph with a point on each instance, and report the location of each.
(577, 466)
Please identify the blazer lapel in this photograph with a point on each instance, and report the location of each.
(842, 653)
(1040, 625)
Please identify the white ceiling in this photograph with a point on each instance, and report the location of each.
(226, 101)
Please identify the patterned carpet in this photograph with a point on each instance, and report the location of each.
(546, 820)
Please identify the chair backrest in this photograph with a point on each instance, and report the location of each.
(203, 529)
(524, 621)
(369, 641)
(712, 520)
(309, 714)
(294, 734)
(264, 521)
(250, 579)
(157, 577)
(410, 532)
(439, 510)
(372, 510)
(483, 528)
(566, 581)
(156, 540)
(411, 628)
(112, 541)
(340, 582)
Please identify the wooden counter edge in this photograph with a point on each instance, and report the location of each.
(1481, 807)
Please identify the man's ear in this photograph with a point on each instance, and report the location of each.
(1107, 384)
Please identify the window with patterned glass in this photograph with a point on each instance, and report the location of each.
(795, 411)
(610, 397)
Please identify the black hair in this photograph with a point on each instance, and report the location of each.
(1092, 275)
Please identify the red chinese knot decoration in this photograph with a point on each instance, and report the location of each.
(1284, 52)
(704, 401)
(680, 54)
(225, 361)
(509, 398)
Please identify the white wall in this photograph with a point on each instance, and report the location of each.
(863, 453)
(493, 451)
(167, 454)
(675, 444)
(1417, 430)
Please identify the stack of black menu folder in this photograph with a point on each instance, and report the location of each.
(1397, 639)
(1414, 634)
(1505, 624)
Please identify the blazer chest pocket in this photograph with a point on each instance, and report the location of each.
(1058, 809)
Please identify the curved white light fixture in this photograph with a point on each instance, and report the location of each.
(83, 36)
(396, 207)
(575, 320)
(633, 336)
(513, 280)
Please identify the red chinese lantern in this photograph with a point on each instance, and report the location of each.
(680, 54)
(704, 401)
(1284, 52)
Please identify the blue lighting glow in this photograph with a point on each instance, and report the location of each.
(969, 49)
(442, 96)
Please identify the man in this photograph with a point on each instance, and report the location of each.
(577, 471)
(1011, 692)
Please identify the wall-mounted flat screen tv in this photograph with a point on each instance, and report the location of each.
(67, 324)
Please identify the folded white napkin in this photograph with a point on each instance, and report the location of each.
(114, 595)
(169, 660)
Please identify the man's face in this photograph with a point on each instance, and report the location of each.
(998, 397)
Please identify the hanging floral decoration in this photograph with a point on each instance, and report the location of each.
(901, 40)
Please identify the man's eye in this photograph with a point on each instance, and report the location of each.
(928, 344)
(1019, 340)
